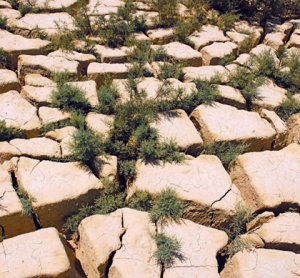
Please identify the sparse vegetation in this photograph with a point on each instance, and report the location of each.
(166, 206)
(26, 202)
(110, 199)
(170, 70)
(264, 64)
(226, 151)
(288, 108)
(238, 245)
(248, 43)
(237, 225)
(2, 22)
(64, 40)
(8, 133)
(247, 82)
(3, 58)
(108, 96)
(167, 10)
(86, 145)
(226, 60)
(69, 98)
(141, 200)
(168, 250)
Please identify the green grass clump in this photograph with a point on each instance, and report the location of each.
(265, 64)
(26, 202)
(141, 200)
(109, 200)
(167, 10)
(226, 151)
(69, 98)
(2, 22)
(168, 250)
(127, 168)
(131, 136)
(116, 30)
(205, 93)
(247, 44)
(8, 133)
(3, 58)
(238, 221)
(226, 60)
(228, 20)
(86, 145)
(166, 206)
(64, 40)
(108, 96)
(170, 70)
(183, 29)
(288, 108)
(289, 79)
(247, 82)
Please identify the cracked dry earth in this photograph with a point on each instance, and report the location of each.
(265, 179)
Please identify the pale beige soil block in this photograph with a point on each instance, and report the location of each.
(243, 59)
(245, 27)
(84, 59)
(49, 23)
(183, 53)
(103, 7)
(53, 5)
(58, 189)
(5, 4)
(51, 115)
(201, 181)
(204, 73)
(15, 45)
(135, 257)
(293, 124)
(99, 71)
(11, 216)
(46, 65)
(161, 35)
(199, 248)
(89, 89)
(37, 147)
(37, 80)
(105, 167)
(275, 40)
(7, 151)
(100, 236)
(40, 96)
(9, 13)
(176, 126)
(112, 55)
(212, 54)
(270, 95)
(65, 137)
(231, 96)
(18, 112)
(280, 127)
(295, 39)
(99, 123)
(208, 34)
(8, 81)
(262, 263)
(223, 123)
(36, 254)
(270, 179)
(281, 232)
